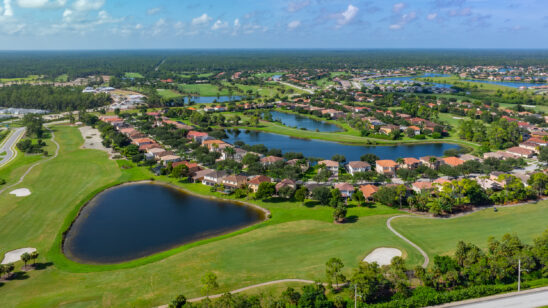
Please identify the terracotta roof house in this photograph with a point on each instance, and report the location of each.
(196, 136)
(431, 161)
(233, 182)
(421, 186)
(257, 180)
(192, 167)
(331, 165)
(410, 163)
(346, 189)
(269, 160)
(453, 161)
(285, 183)
(416, 129)
(215, 145)
(499, 155)
(141, 141)
(521, 152)
(358, 166)
(386, 167)
(368, 191)
(145, 147)
(530, 146)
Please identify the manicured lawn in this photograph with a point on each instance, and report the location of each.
(133, 75)
(62, 78)
(441, 236)
(201, 75)
(167, 93)
(205, 89)
(21, 79)
(295, 243)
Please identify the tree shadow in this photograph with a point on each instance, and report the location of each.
(19, 276)
(42, 266)
(351, 219)
(311, 203)
(1, 284)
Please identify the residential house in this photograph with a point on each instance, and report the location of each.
(346, 189)
(141, 141)
(521, 152)
(197, 136)
(410, 163)
(500, 155)
(269, 160)
(453, 161)
(357, 166)
(257, 180)
(285, 183)
(419, 187)
(368, 191)
(531, 146)
(468, 157)
(416, 129)
(233, 182)
(386, 167)
(388, 129)
(170, 158)
(214, 178)
(302, 163)
(331, 165)
(215, 145)
(431, 161)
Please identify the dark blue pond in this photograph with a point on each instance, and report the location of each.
(326, 149)
(211, 99)
(136, 220)
(295, 120)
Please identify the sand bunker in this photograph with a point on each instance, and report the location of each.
(20, 192)
(15, 255)
(383, 256)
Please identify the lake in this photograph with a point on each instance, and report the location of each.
(425, 75)
(512, 84)
(210, 99)
(136, 220)
(295, 120)
(326, 149)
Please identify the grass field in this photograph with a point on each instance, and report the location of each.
(201, 75)
(133, 75)
(61, 78)
(21, 79)
(295, 243)
(527, 221)
(167, 93)
(205, 89)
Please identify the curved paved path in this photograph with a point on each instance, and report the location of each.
(197, 299)
(423, 253)
(37, 163)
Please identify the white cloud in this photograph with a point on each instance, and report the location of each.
(294, 24)
(432, 16)
(295, 6)
(398, 7)
(219, 25)
(202, 20)
(32, 3)
(153, 11)
(88, 5)
(347, 16)
(159, 26)
(403, 20)
(7, 8)
(138, 26)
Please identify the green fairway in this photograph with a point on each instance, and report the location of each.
(133, 75)
(61, 78)
(22, 79)
(167, 93)
(204, 89)
(440, 236)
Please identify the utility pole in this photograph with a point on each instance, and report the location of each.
(519, 274)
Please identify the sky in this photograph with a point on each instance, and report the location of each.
(332, 24)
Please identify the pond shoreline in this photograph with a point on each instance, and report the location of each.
(265, 215)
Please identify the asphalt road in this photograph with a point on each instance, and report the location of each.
(525, 299)
(9, 145)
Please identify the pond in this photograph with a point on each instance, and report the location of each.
(295, 120)
(136, 220)
(326, 149)
(211, 99)
(512, 84)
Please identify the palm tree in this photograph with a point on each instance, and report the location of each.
(399, 161)
(2, 269)
(34, 255)
(229, 151)
(26, 258)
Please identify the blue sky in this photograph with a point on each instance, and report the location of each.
(117, 24)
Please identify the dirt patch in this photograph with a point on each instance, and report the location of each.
(93, 140)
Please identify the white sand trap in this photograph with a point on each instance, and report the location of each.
(15, 255)
(383, 256)
(21, 192)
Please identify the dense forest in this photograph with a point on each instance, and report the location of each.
(85, 63)
(50, 98)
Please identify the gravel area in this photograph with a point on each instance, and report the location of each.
(92, 140)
